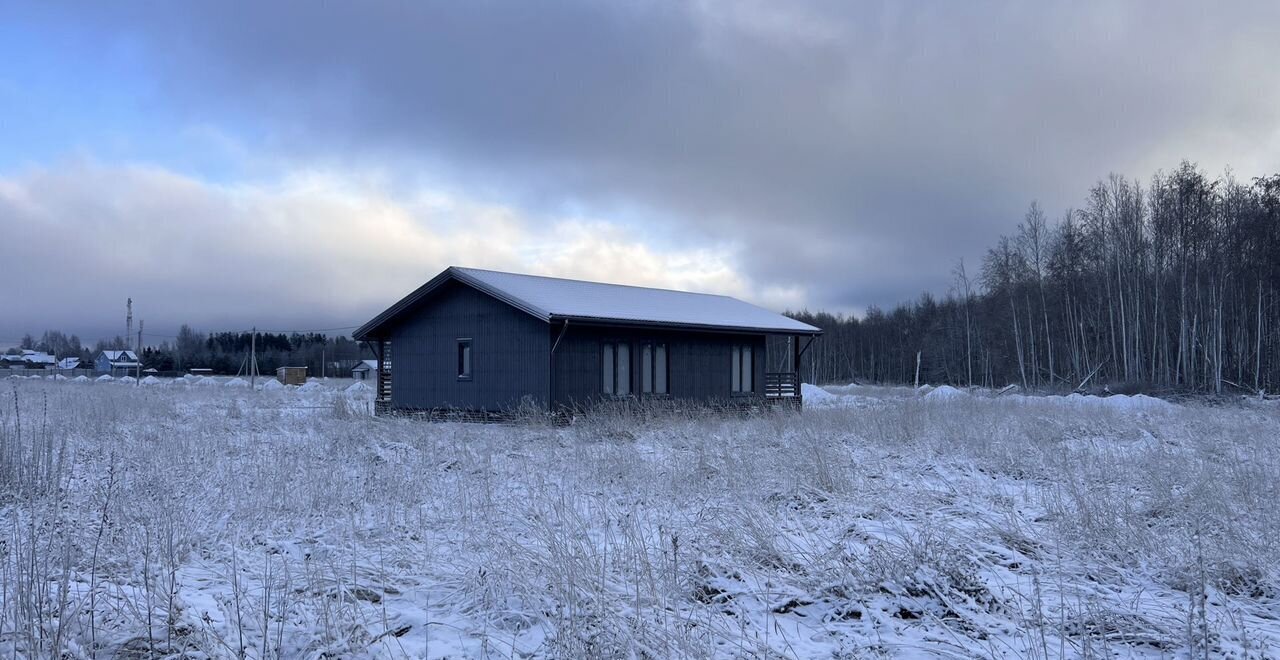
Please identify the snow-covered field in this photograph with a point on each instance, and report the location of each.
(213, 520)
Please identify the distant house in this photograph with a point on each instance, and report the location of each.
(116, 362)
(365, 370)
(69, 363)
(340, 366)
(480, 341)
(31, 360)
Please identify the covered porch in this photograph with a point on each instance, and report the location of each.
(784, 355)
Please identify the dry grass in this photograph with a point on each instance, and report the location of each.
(232, 523)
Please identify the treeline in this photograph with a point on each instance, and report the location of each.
(228, 352)
(1173, 285)
(223, 352)
(54, 343)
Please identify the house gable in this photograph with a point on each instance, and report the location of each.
(509, 352)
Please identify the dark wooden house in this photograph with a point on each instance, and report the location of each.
(482, 341)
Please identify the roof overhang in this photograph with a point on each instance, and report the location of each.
(695, 327)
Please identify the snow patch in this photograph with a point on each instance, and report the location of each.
(361, 387)
(1139, 402)
(946, 393)
(814, 396)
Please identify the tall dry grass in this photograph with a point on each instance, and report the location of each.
(242, 524)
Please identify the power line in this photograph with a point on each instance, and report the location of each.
(261, 332)
(349, 327)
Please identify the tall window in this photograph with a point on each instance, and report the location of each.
(653, 369)
(464, 359)
(616, 369)
(742, 370)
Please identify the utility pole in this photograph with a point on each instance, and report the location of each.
(253, 358)
(138, 353)
(128, 323)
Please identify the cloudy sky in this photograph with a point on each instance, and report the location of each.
(301, 165)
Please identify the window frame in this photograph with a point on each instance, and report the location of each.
(652, 365)
(465, 355)
(737, 372)
(613, 347)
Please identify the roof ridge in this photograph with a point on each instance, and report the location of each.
(577, 281)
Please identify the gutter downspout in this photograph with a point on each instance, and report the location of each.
(551, 373)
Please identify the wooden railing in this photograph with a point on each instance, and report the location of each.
(384, 385)
(382, 402)
(782, 385)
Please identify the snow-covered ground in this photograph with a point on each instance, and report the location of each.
(211, 519)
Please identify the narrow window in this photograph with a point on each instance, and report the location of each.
(646, 369)
(464, 359)
(742, 370)
(653, 369)
(735, 369)
(607, 364)
(660, 369)
(624, 370)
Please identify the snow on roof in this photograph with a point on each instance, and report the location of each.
(366, 364)
(36, 357)
(120, 355)
(69, 363)
(552, 298)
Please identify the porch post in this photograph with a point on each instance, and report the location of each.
(795, 359)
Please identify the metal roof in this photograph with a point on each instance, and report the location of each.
(553, 299)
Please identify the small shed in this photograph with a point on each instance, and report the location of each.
(292, 375)
(365, 370)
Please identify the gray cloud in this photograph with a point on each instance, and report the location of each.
(855, 150)
(307, 252)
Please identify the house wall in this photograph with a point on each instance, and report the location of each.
(699, 364)
(509, 352)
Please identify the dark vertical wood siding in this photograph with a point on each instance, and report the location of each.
(510, 354)
(699, 363)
